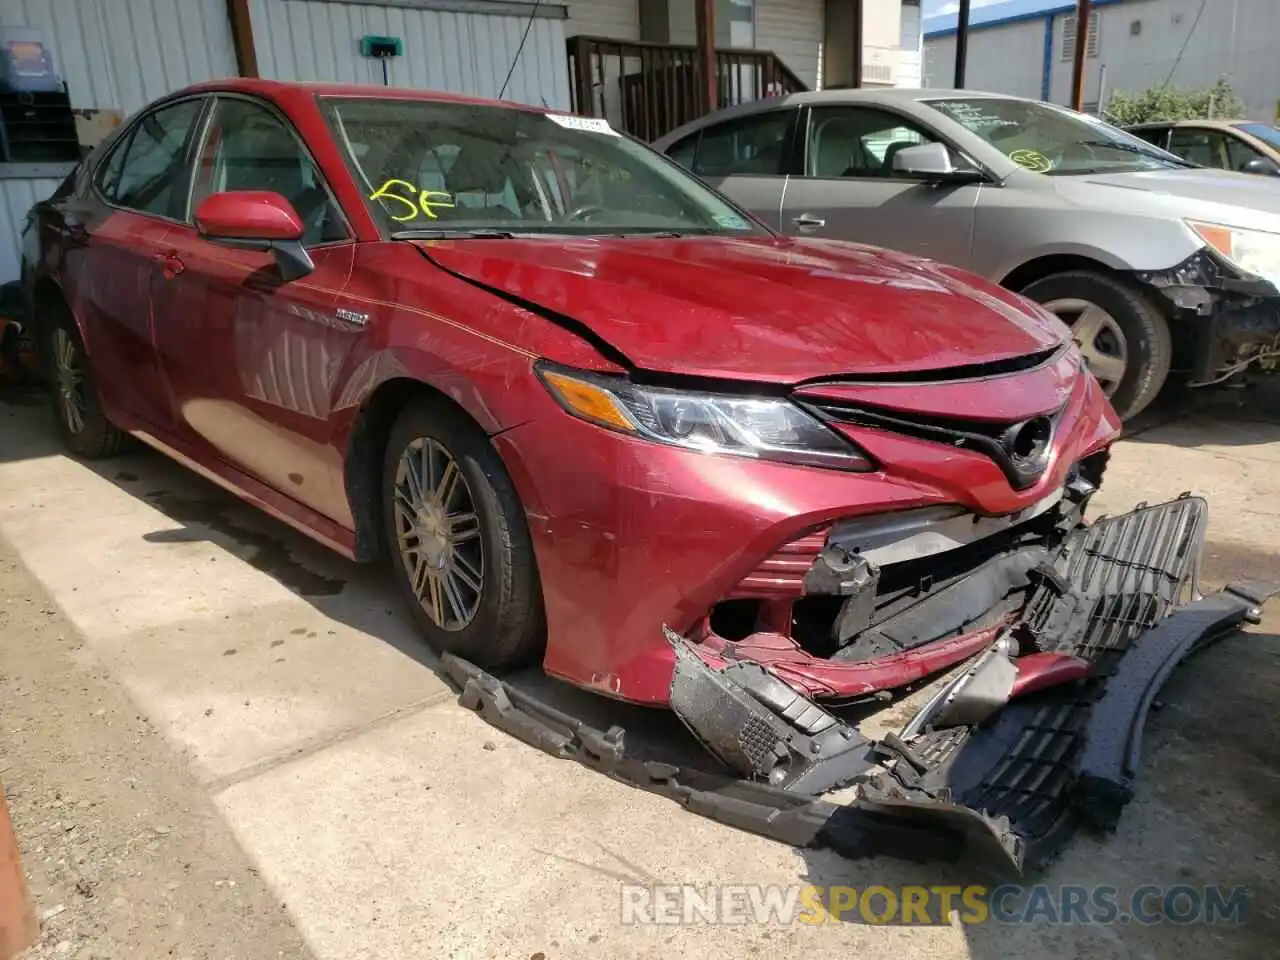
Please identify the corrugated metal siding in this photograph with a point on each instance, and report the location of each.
(909, 69)
(456, 52)
(793, 29)
(16, 198)
(615, 19)
(114, 55)
(122, 54)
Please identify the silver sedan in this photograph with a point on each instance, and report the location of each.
(1156, 263)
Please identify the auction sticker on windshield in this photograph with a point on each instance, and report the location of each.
(586, 124)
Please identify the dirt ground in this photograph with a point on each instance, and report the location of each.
(125, 855)
(220, 742)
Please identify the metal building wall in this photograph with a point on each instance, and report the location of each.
(908, 72)
(1143, 43)
(793, 29)
(615, 19)
(113, 55)
(1005, 59)
(456, 52)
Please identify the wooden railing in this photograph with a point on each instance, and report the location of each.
(648, 89)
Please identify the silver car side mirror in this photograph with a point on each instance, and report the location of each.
(932, 161)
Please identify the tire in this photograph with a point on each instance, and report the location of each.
(87, 433)
(507, 626)
(1147, 347)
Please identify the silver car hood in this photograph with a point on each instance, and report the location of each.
(1217, 196)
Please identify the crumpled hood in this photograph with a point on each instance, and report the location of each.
(779, 310)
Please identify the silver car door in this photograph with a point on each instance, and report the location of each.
(745, 158)
(848, 190)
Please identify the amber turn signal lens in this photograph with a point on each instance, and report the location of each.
(588, 401)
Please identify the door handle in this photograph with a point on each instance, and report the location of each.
(171, 262)
(807, 221)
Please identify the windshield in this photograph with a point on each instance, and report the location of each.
(460, 167)
(1051, 140)
(1263, 132)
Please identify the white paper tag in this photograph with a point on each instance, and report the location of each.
(587, 124)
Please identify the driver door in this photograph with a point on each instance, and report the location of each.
(849, 190)
(253, 361)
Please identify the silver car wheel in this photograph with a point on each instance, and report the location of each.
(69, 381)
(1102, 343)
(438, 534)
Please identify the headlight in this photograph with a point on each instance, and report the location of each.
(763, 428)
(1253, 251)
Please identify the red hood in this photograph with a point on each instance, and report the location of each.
(779, 310)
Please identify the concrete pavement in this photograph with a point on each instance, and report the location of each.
(394, 823)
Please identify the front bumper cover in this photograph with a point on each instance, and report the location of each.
(1040, 734)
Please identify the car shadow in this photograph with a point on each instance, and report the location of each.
(1211, 416)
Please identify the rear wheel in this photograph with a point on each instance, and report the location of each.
(82, 424)
(1123, 337)
(460, 546)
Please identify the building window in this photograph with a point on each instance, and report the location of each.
(1069, 36)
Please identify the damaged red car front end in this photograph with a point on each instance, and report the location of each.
(896, 548)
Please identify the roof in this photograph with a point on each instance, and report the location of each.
(1000, 14)
(274, 88)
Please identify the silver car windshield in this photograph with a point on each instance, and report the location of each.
(1053, 141)
(463, 169)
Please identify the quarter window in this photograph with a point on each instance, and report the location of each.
(250, 148)
(857, 142)
(151, 170)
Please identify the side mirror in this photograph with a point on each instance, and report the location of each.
(256, 220)
(932, 161)
(1263, 166)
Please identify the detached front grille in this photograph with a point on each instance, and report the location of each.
(1020, 450)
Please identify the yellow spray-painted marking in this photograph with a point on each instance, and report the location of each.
(426, 204)
(1032, 160)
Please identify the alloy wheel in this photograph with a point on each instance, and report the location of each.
(1102, 343)
(438, 534)
(73, 404)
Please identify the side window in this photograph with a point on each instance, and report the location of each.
(1199, 146)
(152, 166)
(250, 148)
(857, 142)
(1153, 135)
(684, 151)
(1240, 154)
(753, 145)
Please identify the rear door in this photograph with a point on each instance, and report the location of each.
(849, 190)
(253, 361)
(138, 194)
(745, 158)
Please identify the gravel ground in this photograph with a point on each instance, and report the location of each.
(124, 854)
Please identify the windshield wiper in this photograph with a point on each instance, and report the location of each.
(1139, 151)
(478, 233)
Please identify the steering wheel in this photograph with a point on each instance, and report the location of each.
(585, 212)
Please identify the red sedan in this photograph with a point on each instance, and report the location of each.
(592, 411)
(578, 395)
